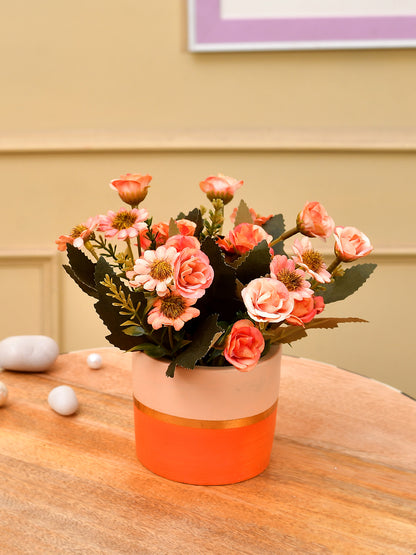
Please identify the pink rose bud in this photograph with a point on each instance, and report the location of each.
(350, 244)
(220, 187)
(313, 221)
(131, 187)
(244, 345)
(186, 227)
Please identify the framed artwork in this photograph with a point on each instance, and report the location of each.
(234, 25)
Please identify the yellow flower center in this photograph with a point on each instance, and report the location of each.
(172, 306)
(313, 260)
(292, 280)
(76, 232)
(161, 270)
(123, 220)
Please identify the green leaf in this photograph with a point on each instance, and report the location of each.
(193, 216)
(83, 269)
(203, 337)
(152, 350)
(221, 296)
(112, 315)
(275, 227)
(255, 264)
(92, 292)
(134, 331)
(328, 323)
(173, 228)
(243, 215)
(344, 286)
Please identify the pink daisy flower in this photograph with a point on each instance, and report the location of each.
(124, 224)
(283, 269)
(311, 260)
(79, 235)
(172, 310)
(154, 271)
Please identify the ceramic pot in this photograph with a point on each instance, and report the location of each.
(206, 426)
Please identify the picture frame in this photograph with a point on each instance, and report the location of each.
(373, 24)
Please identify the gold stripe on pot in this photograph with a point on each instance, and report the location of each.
(207, 424)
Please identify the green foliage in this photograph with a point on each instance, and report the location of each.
(255, 264)
(243, 215)
(196, 217)
(221, 297)
(289, 334)
(205, 334)
(345, 285)
(173, 228)
(81, 270)
(117, 304)
(275, 227)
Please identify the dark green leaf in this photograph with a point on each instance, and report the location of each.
(345, 285)
(255, 264)
(221, 296)
(83, 268)
(193, 216)
(152, 350)
(243, 215)
(203, 337)
(92, 292)
(275, 227)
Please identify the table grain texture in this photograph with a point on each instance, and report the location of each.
(342, 477)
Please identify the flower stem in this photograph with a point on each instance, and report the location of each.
(334, 265)
(129, 250)
(284, 236)
(89, 246)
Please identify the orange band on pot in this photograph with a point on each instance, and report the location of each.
(206, 424)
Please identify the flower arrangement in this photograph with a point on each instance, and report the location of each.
(186, 292)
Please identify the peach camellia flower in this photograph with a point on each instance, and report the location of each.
(350, 244)
(79, 235)
(243, 238)
(124, 224)
(193, 273)
(283, 269)
(257, 219)
(310, 260)
(305, 310)
(244, 345)
(267, 300)
(314, 221)
(172, 310)
(186, 227)
(154, 270)
(132, 187)
(181, 242)
(159, 230)
(220, 187)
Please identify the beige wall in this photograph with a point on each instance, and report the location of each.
(94, 89)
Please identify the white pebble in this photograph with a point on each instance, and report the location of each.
(63, 400)
(28, 353)
(3, 394)
(94, 361)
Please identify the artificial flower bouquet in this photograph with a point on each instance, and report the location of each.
(186, 292)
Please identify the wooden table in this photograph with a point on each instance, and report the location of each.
(341, 480)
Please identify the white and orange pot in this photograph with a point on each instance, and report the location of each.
(206, 426)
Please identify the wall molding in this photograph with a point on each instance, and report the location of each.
(193, 140)
(47, 263)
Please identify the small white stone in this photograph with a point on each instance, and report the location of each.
(63, 400)
(3, 394)
(28, 353)
(94, 361)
